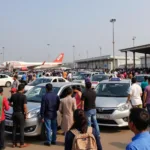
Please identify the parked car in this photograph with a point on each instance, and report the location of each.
(5, 80)
(33, 124)
(140, 78)
(111, 106)
(77, 74)
(44, 80)
(96, 79)
(8, 73)
(81, 78)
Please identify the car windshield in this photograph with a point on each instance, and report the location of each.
(36, 93)
(83, 76)
(39, 81)
(112, 89)
(99, 78)
(77, 73)
(21, 73)
(139, 78)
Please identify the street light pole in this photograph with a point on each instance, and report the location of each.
(133, 40)
(113, 21)
(87, 54)
(73, 56)
(3, 53)
(87, 59)
(100, 56)
(48, 53)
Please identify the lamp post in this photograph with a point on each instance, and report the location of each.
(3, 53)
(100, 54)
(133, 40)
(87, 59)
(48, 53)
(113, 21)
(73, 56)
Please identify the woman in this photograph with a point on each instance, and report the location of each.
(77, 96)
(66, 108)
(80, 124)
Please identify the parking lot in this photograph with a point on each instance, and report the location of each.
(111, 138)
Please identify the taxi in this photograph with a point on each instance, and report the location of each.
(111, 106)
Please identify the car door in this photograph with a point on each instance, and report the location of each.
(3, 80)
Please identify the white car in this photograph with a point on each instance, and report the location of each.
(5, 80)
(81, 78)
(44, 80)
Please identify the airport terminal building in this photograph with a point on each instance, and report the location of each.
(105, 62)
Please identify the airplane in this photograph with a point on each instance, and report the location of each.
(10, 65)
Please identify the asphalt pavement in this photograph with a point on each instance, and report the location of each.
(111, 138)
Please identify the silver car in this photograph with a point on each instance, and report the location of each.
(33, 124)
(111, 106)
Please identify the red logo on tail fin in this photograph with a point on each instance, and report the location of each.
(60, 58)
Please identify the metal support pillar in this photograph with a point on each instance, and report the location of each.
(126, 63)
(145, 60)
(134, 60)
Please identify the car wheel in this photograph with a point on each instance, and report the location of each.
(8, 84)
(43, 133)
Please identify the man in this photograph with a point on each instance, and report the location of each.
(65, 74)
(49, 107)
(144, 84)
(4, 106)
(134, 95)
(146, 97)
(138, 124)
(88, 102)
(16, 82)
(13, 91)
(24, 78)
(69, 77)
(19, 103)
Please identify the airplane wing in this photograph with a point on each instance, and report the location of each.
(33, 66)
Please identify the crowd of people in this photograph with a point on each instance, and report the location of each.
(78, 110)
(30, 76)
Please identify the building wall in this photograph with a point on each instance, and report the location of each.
(107, 64)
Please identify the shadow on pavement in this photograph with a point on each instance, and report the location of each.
(119, 145)
(33, 140)
(111, 129)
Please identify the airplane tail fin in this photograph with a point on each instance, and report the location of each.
(43, 63)
(59, 59)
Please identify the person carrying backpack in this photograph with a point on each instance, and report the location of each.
(80, 136)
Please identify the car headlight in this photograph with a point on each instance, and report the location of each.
(123, 107)
(34, 113)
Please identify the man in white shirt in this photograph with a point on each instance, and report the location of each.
(134, 94)
(69, 77)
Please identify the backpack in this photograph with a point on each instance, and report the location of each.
(84, 141)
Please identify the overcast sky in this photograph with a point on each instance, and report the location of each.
(27, 26)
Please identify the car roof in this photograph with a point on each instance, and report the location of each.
(50, 77)
(4, 74)
(60, 84)
(103, 74)
(122, 81)
(143, 75)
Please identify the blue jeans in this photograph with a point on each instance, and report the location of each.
(51, 125)
(91, 116)
(148, 108)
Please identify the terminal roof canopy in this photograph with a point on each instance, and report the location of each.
(144, 49)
